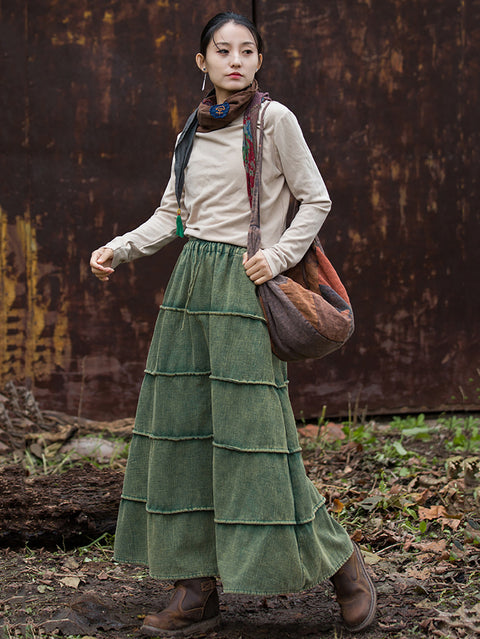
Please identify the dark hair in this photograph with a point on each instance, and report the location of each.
(223, 18)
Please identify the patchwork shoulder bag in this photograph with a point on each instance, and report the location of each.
(307, 308)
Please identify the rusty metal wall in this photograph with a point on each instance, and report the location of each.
(92, 96)
(387, 92)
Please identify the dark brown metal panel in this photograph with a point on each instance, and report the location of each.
(14, 170)
(94, 95)
(387, 93)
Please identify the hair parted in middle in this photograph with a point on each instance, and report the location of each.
(223, 18)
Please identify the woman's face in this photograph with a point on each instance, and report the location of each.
(231, 60)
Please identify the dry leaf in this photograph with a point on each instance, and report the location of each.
(450, 522)
(419, 573)
(453, 466)
(332, 432)
(71, 582)
(310, 431)
(437, 547)
(370, 503)
(471, 467)
(421, 498)
(430, 480)
(338, 506)
(357, 536)
(435, 512)
(370, 558)
(71, 563)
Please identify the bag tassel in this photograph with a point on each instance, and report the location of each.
(180, 232)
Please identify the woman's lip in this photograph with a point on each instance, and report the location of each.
(234, 75)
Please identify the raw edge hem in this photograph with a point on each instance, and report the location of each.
(237, 591)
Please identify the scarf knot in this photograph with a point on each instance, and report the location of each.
(212, 116)
(218, 111)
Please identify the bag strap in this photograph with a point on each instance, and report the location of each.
(254, 235)
(254, 239)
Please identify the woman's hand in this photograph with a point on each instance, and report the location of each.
(257, 268)
(100, 263)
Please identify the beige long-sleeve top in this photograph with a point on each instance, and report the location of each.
(215, 203)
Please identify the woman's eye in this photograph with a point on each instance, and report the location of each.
(223, 51)
(248, 51)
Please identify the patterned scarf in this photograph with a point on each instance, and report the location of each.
(249, 146)
(212, 116)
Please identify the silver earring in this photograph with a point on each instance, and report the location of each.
(204, 80)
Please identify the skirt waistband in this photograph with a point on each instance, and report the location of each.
(207, 246)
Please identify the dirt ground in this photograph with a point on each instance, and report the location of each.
(407, 492)
(50, 594)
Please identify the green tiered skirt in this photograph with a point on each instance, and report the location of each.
(215, 483)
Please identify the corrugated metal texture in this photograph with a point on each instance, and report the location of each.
(387, 95)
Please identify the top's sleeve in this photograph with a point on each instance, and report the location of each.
(152, 235)
(306, 185)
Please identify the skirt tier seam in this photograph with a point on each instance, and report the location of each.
(221, 445)
(239, 449)
(217, 378)
(172, 438)
(227, 522)
(154, 373)
(188, 311)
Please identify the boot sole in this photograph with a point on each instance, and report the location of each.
(373, 605)
(189, 631)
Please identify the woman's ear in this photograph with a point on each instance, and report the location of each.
(200, 60)
(260, 61)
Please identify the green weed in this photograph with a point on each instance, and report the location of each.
(464, 433)
(103, 544)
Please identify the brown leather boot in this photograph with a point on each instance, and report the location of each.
(193, 608)
(355, 592)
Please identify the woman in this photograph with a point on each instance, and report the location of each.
(215, 484)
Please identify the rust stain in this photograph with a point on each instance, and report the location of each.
(7, 292)
(295, 58)
(105, 71)
(26, 235)
(396, 61)
(403, 204)
(375, 198)
(174, 116)
(34, 338)
(68, 38)
(109, 17)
